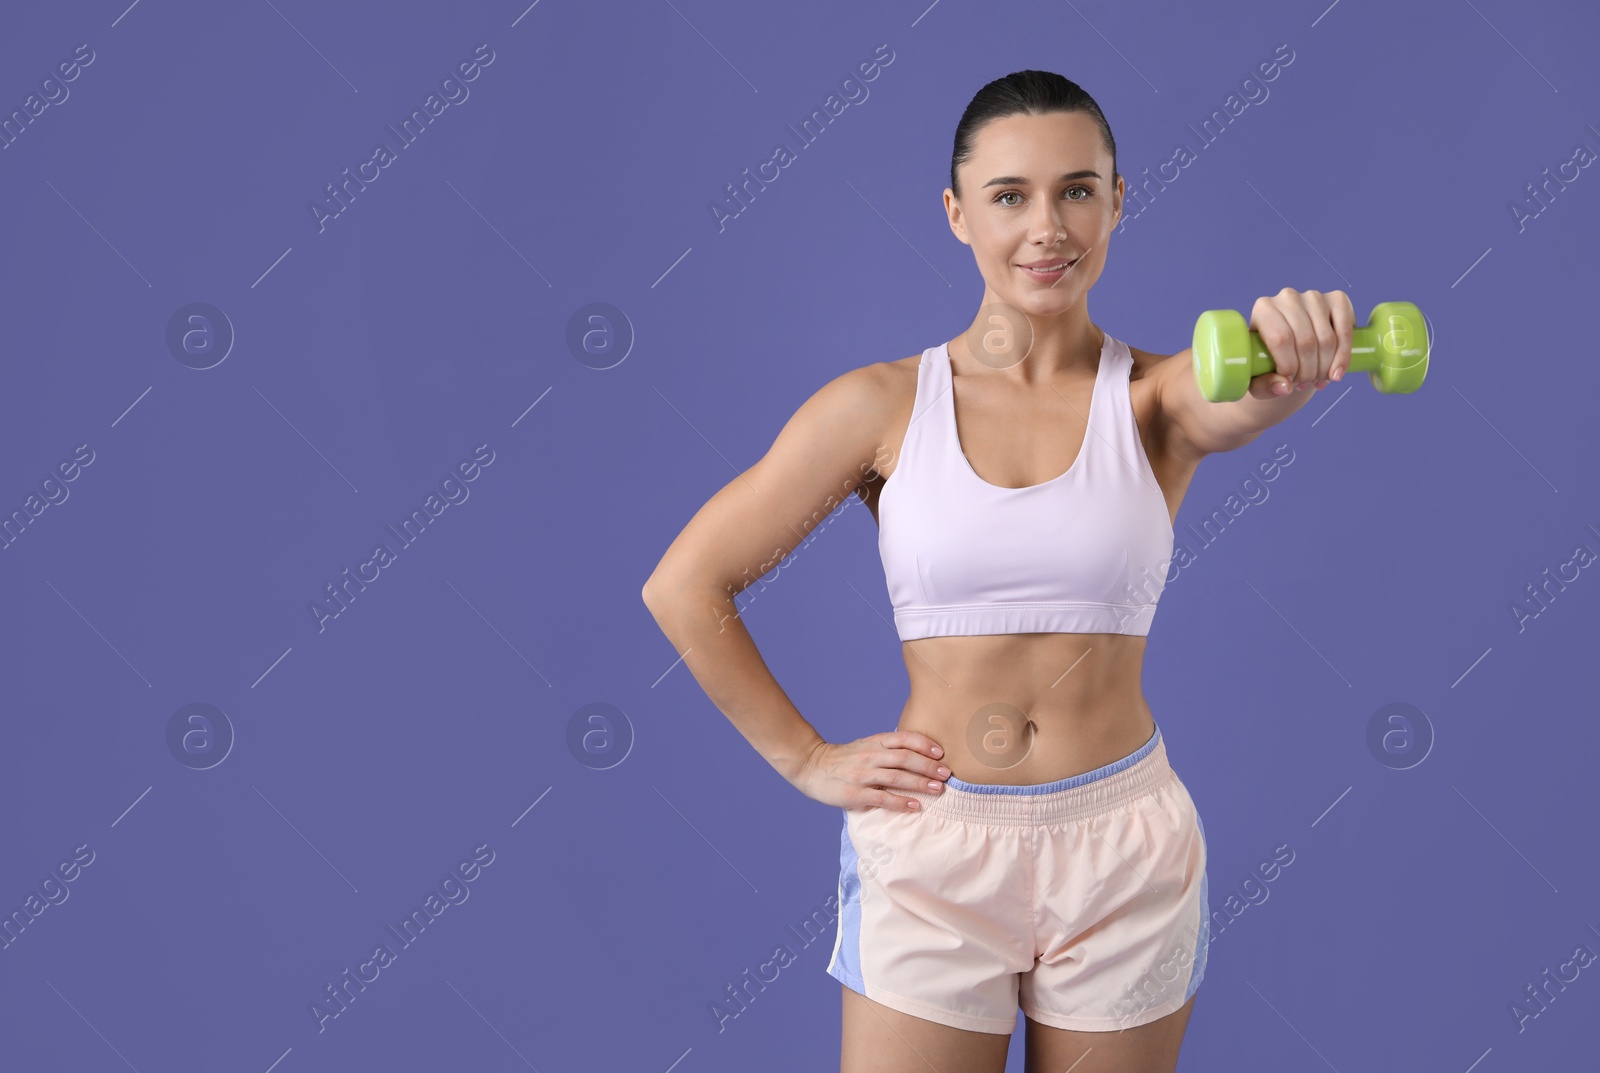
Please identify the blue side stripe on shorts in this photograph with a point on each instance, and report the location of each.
(845, 964)
(1203, 940)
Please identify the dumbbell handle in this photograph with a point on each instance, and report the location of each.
(1363, 352)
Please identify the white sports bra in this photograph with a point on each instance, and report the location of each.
(1084, 552)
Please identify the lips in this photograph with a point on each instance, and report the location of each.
(1049, 276)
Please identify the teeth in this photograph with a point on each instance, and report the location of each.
(1052, 268)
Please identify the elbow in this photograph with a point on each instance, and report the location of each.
(658, 592)
(651, 593)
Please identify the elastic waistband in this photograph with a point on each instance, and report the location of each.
(1071, 798)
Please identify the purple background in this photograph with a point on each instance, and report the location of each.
(435, 713)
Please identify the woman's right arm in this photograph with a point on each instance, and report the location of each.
(822, 455)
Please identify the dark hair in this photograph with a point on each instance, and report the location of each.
(1029, 93)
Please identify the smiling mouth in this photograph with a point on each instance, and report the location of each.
(1047, 270)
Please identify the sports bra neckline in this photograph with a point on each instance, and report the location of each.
(1088, 423)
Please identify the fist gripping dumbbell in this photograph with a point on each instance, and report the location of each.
(1392, 349)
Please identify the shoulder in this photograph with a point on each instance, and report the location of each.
(1158, 373)
(881, 386)
(862, 403)
(1147, 363)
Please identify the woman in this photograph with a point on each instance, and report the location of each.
(1019, 839)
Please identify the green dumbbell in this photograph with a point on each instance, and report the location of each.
(1392, 349)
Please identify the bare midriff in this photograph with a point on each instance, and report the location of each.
(1028, 708)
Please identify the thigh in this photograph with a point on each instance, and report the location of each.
(877, 1039)
(1148, 1048)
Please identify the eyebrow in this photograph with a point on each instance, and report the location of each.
(1018, 180)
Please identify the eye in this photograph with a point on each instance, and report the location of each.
(1088, 193)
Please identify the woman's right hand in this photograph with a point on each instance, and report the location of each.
(860, 773)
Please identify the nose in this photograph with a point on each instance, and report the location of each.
(1046, 228)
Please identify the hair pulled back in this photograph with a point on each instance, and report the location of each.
(1030, 93)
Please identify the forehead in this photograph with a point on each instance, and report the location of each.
(1053, 139)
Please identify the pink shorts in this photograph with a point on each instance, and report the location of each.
(1082, 900)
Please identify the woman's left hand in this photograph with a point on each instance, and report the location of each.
(1308, 335)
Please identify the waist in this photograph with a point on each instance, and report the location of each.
(1132, 775)
(1029, 709)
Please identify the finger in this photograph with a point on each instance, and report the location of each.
(1319, 312)
(917, 771)
(1268, 322)
(884, 799)
(919, 767)
(1344, 324)
(1292, 304)
(903, 779)
(911, 739)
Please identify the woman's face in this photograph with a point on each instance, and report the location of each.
(1037, 188)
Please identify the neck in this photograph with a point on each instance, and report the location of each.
(1032, 349)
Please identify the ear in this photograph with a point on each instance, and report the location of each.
(955, 217)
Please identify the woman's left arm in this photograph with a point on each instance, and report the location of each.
(1308, 335)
